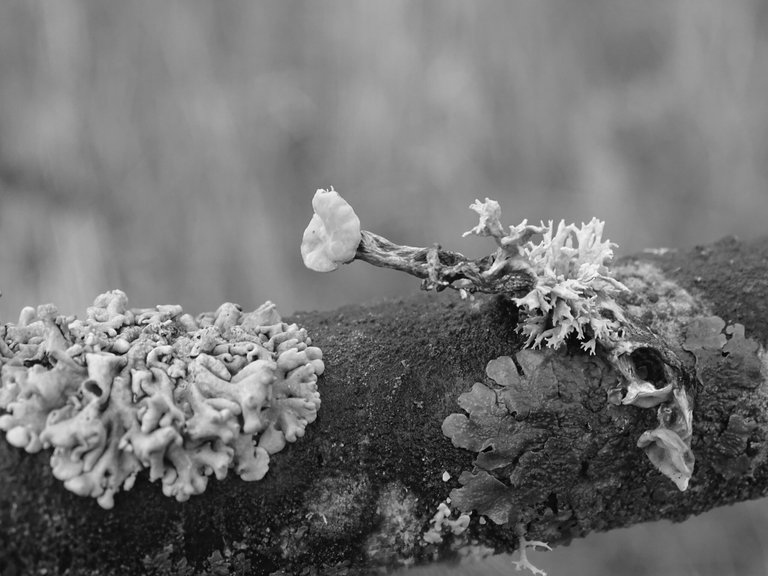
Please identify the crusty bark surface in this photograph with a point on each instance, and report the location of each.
(358, 491)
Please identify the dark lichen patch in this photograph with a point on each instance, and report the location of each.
(558, 462)
(535, 444)
(732, 445)
(488, 496)
(724, 358)
(527, 388)
(733, 397)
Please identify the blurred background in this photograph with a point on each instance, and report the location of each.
(172, 148)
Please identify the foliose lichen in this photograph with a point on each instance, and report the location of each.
(734, 369)
(125, 390)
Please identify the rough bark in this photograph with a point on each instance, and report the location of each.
(358, 491)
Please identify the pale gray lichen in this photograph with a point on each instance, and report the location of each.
(523, 545)
(126, 390)
(441, 522)
(669, 445)
(573, 292)
(333, 233)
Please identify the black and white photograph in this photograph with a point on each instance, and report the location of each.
(421, 288)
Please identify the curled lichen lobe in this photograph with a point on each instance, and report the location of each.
(332, 235)
(126, 390)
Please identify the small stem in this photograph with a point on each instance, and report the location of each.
(439, 268)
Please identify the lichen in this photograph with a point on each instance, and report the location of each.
(659, 302)
(487, 495)
(561, 282)
(333, 233)
(669, 445)
(126, 390)
(573, 289)
(523, 545)
(730, 366)
(494, 430)
(399, 523)
(338, 505)
(442, 522)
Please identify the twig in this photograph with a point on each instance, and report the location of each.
(440, 269)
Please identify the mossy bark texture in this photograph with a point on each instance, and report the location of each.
(359, 490)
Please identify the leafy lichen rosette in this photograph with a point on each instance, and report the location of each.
(125, 390)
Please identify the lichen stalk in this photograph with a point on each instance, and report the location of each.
(441, 269)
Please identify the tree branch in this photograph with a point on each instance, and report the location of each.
(359, 490)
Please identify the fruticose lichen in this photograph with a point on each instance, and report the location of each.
(125, 390)
(561, 282)
(573, 289)
(559, 279)
(523, 545)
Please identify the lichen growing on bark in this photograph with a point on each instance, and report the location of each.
(733, 367)
(573, 290)
(564, 291)
(561, 283)
(125, 390)
(332, 236)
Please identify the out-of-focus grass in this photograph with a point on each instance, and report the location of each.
(172, 148)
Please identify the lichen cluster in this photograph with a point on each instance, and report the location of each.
(183, 397)
(732, 367)
(561, 283)
(493, 428)
(573, 289)
(441, 522)
(559, 279)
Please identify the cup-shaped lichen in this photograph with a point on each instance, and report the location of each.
(332, 235)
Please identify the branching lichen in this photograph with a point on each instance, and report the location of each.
(523, 546)
(125, 390)
(573, 289)
(560, 281)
